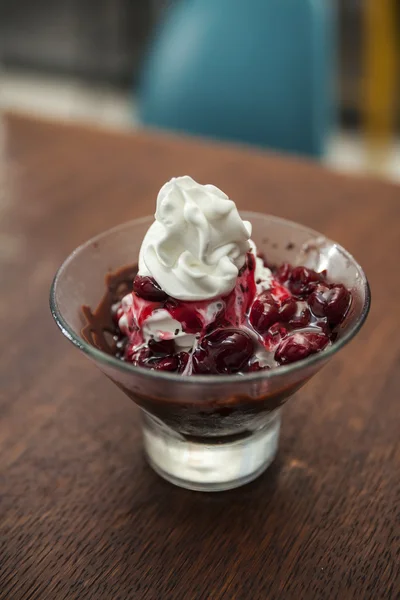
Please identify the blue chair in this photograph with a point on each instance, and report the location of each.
(253, 71)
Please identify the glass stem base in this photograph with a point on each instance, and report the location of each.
(207, 464)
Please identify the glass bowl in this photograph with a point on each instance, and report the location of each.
(202, 432)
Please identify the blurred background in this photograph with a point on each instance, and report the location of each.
(317, 78)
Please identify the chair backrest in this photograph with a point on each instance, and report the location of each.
(254, 71)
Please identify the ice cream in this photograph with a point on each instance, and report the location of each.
(204, 301)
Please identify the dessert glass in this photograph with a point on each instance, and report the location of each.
(202, 432)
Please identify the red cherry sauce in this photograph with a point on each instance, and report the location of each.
(244, 331)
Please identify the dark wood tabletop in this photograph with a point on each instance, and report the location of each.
(81, 514)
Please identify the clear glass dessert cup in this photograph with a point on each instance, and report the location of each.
(202, 432)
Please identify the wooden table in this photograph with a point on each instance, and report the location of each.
(82, 515)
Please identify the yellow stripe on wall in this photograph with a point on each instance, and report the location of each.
(380, 70)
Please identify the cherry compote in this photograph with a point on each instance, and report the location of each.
(250, 331)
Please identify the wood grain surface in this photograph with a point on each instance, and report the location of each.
(81, 514)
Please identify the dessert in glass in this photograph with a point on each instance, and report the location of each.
(209, 320)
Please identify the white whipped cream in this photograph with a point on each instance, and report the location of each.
(198, 242)
(161, 326)
(262, 275)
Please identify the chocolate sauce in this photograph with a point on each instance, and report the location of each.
(101, 330)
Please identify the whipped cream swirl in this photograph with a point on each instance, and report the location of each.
(198, 242)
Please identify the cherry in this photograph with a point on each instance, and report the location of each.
(317, 300)
(220, 319)
(143, 358)
(287, 309)
(168, 363)
(283, 273)
(300, 345)
(148, 289)
(302, 319)
(150, 357)
(162, 347)
(223, 351)
(264, 312)
(302, 281)
(202, 363)
(332, 302)
(186, 315)
(274, 335)
(338, 303)
(323, 326)
(183, 360)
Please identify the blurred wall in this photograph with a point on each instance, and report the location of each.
(106, 39)
(94, 38)
(350, 59)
